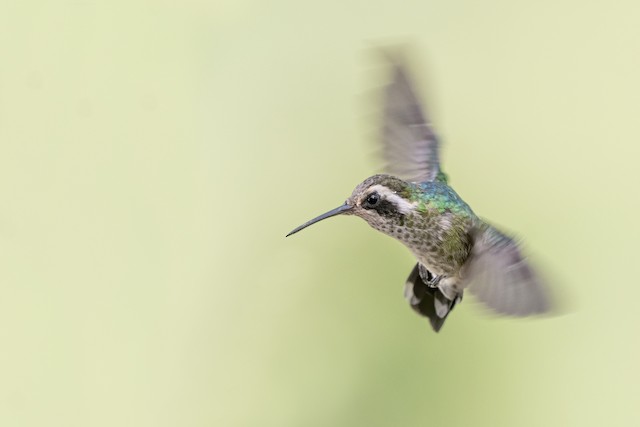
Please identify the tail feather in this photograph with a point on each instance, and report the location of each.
(427, 301)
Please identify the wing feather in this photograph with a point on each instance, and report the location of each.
(502, 278)
(410, 145)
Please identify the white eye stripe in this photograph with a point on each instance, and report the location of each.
(404, 206)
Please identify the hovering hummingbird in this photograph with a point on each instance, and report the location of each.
(413, 203)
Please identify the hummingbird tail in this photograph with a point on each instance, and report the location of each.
(428, 301)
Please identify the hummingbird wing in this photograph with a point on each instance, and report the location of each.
(410, 145)
(500, 276)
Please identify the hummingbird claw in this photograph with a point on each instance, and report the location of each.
(428, 277)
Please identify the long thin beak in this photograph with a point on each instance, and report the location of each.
(333, 212)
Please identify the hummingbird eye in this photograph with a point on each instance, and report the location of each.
(372, 199)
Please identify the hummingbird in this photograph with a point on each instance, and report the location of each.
(413, 202)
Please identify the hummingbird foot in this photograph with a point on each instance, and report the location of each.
(430, 279)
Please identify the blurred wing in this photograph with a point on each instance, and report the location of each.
(410, 146)
(500, 277)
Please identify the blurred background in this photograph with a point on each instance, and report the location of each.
(153, 155)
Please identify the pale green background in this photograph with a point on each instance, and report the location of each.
(154, 154)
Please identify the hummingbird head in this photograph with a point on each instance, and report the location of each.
(382, 200)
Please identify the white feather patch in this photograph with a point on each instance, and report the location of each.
(404, 206)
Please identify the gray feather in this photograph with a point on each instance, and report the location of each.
(410, 146)
(501, 277)
(427, 301)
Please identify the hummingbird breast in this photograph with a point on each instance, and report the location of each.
(437, 230)
(440, 242)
